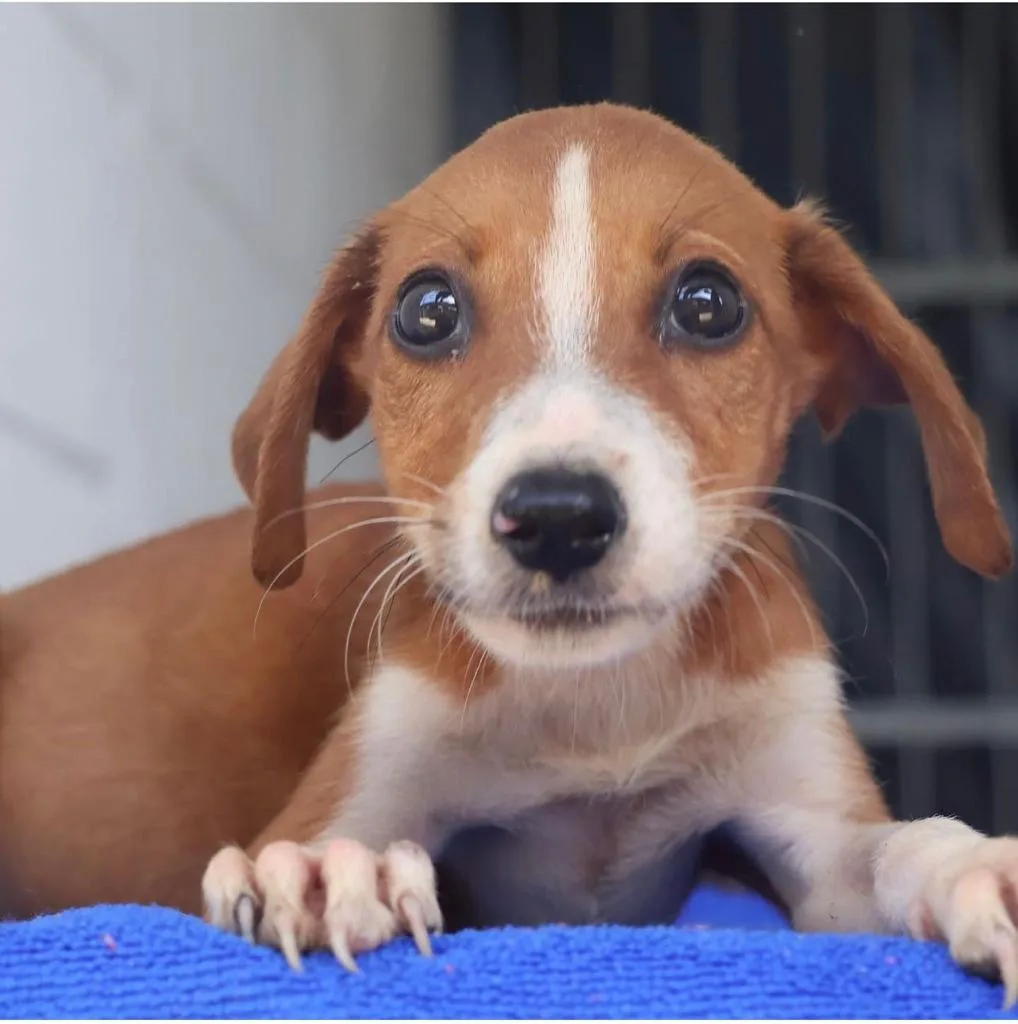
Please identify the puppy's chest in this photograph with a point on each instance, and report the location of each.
(588, 736)
(580, 807)
(573, 861)
(534, 742)
(573, 800)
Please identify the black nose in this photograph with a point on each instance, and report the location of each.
(558, 521)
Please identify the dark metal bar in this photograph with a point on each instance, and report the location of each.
(631, 53)
(814, 462)
(980, 97)
(949, 282)
(905, 486)
(807, 96)
(540, 60)
(894, 58)
(718, 80)
(982, 27)
(917, 722)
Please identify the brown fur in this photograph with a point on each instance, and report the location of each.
(143, 724)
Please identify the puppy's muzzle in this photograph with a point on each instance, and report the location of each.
(557, 520)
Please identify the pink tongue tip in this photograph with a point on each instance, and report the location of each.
(503, 524)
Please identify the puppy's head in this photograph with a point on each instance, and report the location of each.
(584, 342)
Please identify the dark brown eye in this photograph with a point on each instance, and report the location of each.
(428, 321)
(706, 308)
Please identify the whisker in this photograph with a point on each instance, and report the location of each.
(713, 624)
(398, 561)
(710, 477)
(380, 550)
(733, 567)
(424, 482)
(435, 605)
(752, 552)
(749, 512)
(391, 591)
(717, 590)
(349, 499)
(620, 685)
(325, 540)
(694, 216)
(431, 225)
(346, 458)
(467, 226)
(473, 679)
(678, 202)
(856, 589)
(404, 583)
(809, 499)
(446, 629)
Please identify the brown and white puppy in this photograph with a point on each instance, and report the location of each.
(583, 343)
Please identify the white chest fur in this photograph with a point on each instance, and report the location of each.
(594, 782)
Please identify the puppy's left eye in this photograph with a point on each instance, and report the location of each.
(428, 320)
(705, 308)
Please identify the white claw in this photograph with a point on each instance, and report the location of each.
(288, 943)
(413, 914)
(244, 914)
(341, 948)
(1007, 961)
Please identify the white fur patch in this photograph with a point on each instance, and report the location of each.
(566, 273)
(402, 722)
(577, 416)
(531, 752)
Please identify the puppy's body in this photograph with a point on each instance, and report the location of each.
(143, 722)
(593, 646)
(582, 375)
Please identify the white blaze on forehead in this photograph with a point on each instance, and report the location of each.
(565, 273)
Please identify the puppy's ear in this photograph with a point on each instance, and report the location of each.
(312, 385)
(872, 355)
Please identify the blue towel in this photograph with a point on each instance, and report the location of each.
(730, 956)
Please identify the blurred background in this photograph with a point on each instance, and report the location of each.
(174, 179)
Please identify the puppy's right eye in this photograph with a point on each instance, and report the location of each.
(428, 321)
(706, 308)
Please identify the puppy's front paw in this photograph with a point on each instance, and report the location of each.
(347, 897)
(972, 904)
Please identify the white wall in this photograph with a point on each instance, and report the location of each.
(172, 182)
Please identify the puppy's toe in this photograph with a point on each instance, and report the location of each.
(229, 894)
(981, 926)
(408, 879)
(288, 876)
(356, 919)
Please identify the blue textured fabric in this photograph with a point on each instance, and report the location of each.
(149, 962)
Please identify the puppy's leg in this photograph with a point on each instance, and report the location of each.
(345, 865)
(940, 879)
(809, 811)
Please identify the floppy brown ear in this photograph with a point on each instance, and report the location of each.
(871, 354)
(311, 386)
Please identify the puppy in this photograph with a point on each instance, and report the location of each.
(583, 644)
(583, 342)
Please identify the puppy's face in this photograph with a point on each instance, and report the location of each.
(586, 340)
(583, 365)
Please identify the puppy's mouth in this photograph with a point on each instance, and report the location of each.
(565, 617)
(555, 613)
